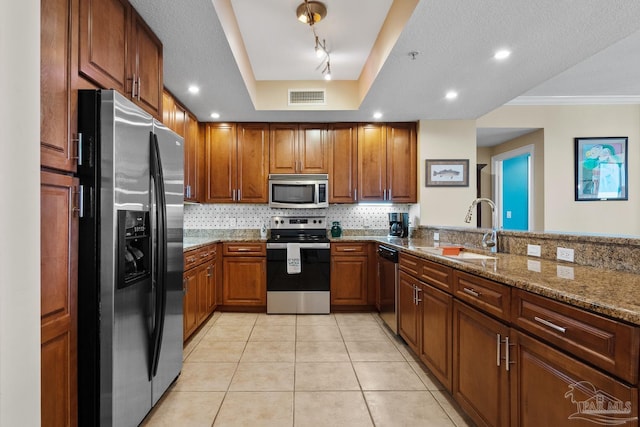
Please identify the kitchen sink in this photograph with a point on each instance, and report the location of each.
(462, 256)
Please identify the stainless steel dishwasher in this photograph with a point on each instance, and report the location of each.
(387, 301)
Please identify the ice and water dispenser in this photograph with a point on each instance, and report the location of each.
(134, 247)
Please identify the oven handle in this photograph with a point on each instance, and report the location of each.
(302, 245)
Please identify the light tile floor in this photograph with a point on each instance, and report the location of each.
(245, 369)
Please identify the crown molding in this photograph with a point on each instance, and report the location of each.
(575, 100)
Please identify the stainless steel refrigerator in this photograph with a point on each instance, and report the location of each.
(130, 259)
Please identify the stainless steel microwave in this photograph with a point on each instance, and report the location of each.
(299, 191)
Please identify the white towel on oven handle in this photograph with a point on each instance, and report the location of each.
(294, 263)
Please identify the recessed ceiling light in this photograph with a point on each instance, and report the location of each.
(377, 115)
(502, 54)
(452, 94)
(215, 115)
(194, 89)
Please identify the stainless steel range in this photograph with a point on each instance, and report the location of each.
(298, 266)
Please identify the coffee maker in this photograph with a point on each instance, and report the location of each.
(398, 224)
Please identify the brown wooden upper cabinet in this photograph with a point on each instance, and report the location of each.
(118, 50)
(185, 124)
(298, 148)
(58, 27)
(343, 162)
(387, 162)
(237, 162)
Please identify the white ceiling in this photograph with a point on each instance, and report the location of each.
(282, 48)
(581, 50)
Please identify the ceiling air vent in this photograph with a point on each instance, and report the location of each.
(307, 97)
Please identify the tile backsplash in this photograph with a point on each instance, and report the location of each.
(248, 216)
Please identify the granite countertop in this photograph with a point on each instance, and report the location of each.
(609, 292)
(190, 243)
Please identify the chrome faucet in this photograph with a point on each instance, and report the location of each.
(490, 238)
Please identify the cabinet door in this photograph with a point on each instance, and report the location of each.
(58, 307)
(349, 280)
(436, 331)
(372, 163)
(212, 281)
(550, 388)
(203, 289)
(402, 162)
(104, 29)
(168, 110)
(408, 312)
(480, 379)
(343, 163)
(190, 302)
(312, 150)
(253, 163)
(283, 142)
(245, 281)
(145, 65)
(193, 160)
(57, 26)
(220, 163)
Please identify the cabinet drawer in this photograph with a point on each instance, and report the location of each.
(192, 258)
(244, 249)
(410, 264)
(200, 255)
(606, 343)
(436, 274)
(487, 295)
(349, 248)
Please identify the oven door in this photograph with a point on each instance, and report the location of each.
(305, 292)
(315, 261)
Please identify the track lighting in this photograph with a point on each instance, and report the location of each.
(311, 12)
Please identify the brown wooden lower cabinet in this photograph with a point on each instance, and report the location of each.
(424, 322)
(550, 388)
(480, 381)
(244, 269)
(351, 276)
(200, 282)
(59, 310)
(408, 312)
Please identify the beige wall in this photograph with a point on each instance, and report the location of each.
(561, 125)
(446, 139)
(536, 139)
(20, 215)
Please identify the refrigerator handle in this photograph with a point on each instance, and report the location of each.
(161, 255)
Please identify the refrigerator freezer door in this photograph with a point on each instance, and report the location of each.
(171, 149)
(125, 388)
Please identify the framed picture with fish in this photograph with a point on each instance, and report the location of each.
(447, 173)
(601, 168)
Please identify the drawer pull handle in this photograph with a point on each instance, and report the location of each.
(349, 250)
(471, 292)
(244, 249)
(498, 345)
(191, 259)
(549, 324)
(204, 255)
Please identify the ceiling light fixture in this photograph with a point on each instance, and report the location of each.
(377, 115)
(311, 12)
(194, 89)
(452, 94)
(502, 54)
(215, 115)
